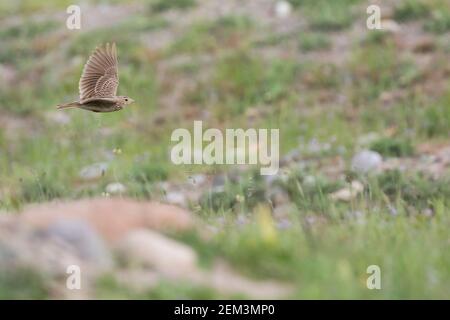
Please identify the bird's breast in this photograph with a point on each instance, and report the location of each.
(101, 106)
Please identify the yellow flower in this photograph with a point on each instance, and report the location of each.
(266, 224)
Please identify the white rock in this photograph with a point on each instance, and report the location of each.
(347, 194)
(176, 197)
(164, 255)
(390, 26)
(115, 187)
(366, 161)
(315, 147)
(283, 9)
(197, 179)
(368, 138)
(93, 171)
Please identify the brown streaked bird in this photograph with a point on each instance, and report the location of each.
(99, 82)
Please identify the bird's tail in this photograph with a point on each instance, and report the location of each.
(68, 105)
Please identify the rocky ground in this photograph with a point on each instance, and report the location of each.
(120, 237)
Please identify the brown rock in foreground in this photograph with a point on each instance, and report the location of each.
(161, 257)
(152, 249)
(112, 218)
(49, 237)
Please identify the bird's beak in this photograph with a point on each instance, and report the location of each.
(131, 100)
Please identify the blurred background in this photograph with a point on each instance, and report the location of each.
(364, 119)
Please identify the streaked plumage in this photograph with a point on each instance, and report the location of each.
(99, 82)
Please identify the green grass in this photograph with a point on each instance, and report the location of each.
(415, 190)
(240, 80)
(390, 147)
(327, 15)
(439, 22)
(412, 10)
(161, 5)
(328, 259)
(437, 117)
(377, 69)
(28, 30)
(28, 7)
(22, 284)
(109, 288)
(314, 42)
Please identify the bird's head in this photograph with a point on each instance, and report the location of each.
(124, 100)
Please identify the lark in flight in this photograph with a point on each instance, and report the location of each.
(99, 82)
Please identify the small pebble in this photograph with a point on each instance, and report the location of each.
(366, 161)
(283, 9)
(93, 171)
(115, 187)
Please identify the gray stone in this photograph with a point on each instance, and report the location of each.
(197, 179)
(218, 181)
(52, 250)
(270, 179)
(8, 75)
(93, 171)
(176, 197)
(292, 156)
(310, 180)
(367, 161)
(392, 210)
(316, 147)
(86, 243)
(284, 224)
(154, 250)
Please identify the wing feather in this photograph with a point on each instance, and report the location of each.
(100, 76)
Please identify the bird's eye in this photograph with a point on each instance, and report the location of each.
(126, 99)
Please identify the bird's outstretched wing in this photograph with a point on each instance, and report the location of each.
(100, 77)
